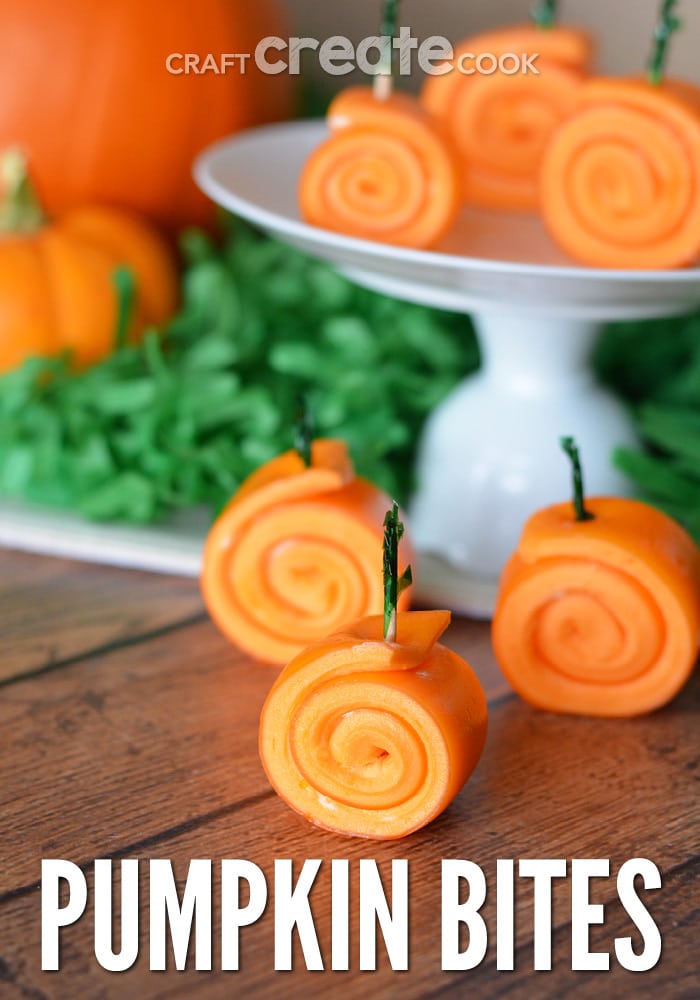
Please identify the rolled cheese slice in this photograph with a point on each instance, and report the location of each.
(620, 181)
(500, 113)
(371, 738)
(599, 617)
(296, 554)
(385, 173)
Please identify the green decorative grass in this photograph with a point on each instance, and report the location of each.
(655, 366)
(184, 417)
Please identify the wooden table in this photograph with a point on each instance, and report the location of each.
(129, 727)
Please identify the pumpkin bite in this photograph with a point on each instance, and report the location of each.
(295, 553)
(598, 611)
(500, 122)
(385, 173)
(372, 731)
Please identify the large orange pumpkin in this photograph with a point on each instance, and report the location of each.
(85, 92)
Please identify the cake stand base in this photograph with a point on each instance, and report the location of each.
(439, 584)
(490, 456)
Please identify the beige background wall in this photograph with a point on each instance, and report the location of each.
(624, 26)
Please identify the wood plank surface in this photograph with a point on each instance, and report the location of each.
(52, 610)
(140, 741)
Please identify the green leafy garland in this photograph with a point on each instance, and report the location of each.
(655, 367)
(183, 418)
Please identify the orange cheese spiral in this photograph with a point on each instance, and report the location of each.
(620, 182)
(370, 738)
(384, 174)
(500, 122)
(296, 554)
(600, 617)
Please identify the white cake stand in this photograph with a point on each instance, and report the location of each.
(489, 455)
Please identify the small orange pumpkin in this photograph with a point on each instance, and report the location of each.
(57, 288)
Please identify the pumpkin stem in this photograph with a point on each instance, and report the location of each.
(20, 211)
(544, 14)
(394, 585)
(384, 79)
(569, 446)
(304, 431)
(665, 27)
(125, 286)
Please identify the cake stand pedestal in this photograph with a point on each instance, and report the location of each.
(489, 454)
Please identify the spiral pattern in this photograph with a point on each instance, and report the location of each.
(372, 739)
(500, 122)
(293, 558)
(384, 173)
(595, 621)
(620, 183)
